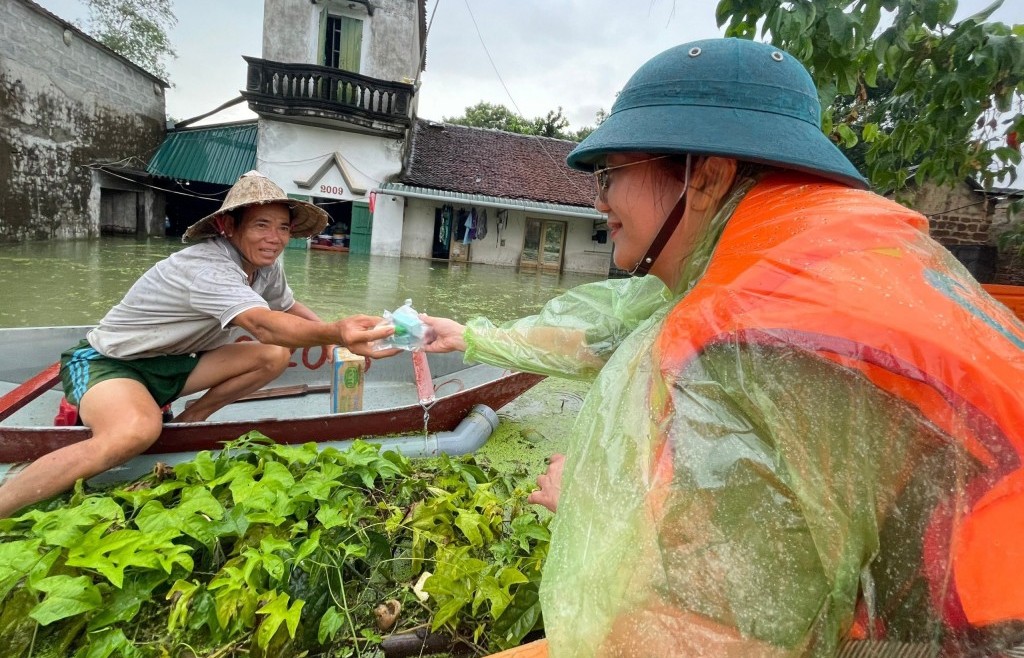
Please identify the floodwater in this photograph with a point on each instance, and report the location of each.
(76, 282)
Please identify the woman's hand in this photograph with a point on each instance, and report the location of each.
(444, 335)
(549, 485)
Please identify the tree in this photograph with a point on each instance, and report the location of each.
(585, 131)
(957, 101)
(495, 117)
(136, 29)
(498, 117)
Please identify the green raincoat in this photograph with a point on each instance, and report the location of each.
(754, 486)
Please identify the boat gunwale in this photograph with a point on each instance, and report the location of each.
(21, 443)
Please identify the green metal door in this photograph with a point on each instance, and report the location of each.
(362, 228)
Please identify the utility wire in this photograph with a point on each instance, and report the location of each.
(559, 165)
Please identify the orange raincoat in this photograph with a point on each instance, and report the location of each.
(817, 438)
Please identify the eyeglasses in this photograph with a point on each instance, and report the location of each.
(603, 179)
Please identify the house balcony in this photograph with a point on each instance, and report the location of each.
(328, 97)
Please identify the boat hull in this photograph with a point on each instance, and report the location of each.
(391, 401)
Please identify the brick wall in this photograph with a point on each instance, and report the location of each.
(66, 105)
(962, 215)
(956, 215)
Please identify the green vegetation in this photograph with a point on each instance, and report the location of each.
(956, 103)
(269, 550)
(498, 117)
(136, 29)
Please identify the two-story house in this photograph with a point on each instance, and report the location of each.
(335, 92)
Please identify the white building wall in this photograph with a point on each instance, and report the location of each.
(418, 228)
(581, 253)
(289, 152)
(388, 226)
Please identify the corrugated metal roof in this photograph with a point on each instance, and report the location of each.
(211, 154)
(400, 189)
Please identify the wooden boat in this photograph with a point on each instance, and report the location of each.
(294, 409)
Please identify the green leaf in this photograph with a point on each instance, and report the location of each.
(330, 624)
(206, 468)
(276, 612)
(111, 553)
(490, 589)
(526, 527)
(66, 596)
(308, 547)
(106, 643)
(17, 629)
(846, 135)
(519, 618)
(17, 560)
(122, 605)
(65, 526)
(447, 611)
(473, 526)
(982, 16)
(181, 593)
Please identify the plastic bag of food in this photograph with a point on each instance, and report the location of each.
(409, 329)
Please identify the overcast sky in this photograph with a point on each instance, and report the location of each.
(546, 53)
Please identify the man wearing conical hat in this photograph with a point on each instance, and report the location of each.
(170, 336)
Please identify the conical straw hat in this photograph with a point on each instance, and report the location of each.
(252, 189)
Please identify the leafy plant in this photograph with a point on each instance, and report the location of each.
(956, 103)
(498, 117)
(137, 29)
(270, 550)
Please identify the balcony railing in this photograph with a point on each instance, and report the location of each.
(326, 93)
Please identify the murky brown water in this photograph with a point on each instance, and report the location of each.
(76, 282)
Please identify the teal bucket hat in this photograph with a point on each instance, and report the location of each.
(730, 97)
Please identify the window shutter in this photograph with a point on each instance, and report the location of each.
(322, 48)
(351, 44)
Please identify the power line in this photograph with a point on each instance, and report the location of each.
(559, 165)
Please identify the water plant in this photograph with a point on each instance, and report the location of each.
(270, 550)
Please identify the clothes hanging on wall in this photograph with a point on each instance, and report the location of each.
(480, 225)
(470, 224)
(445, 231)
(501, 222)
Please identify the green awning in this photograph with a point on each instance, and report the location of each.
(210, 154)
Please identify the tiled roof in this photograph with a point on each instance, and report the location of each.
(494, 163)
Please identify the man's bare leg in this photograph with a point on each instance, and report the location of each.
(230, 372)
(125, 420)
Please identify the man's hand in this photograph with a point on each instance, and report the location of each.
(358, 335)
(444, 335)
(549, 485)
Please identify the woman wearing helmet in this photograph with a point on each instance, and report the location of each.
(805, 426)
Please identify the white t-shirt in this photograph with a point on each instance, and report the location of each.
(184, 303)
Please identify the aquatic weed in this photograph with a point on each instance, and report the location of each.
(270, 550)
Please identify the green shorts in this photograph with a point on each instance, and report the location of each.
(82, 367)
